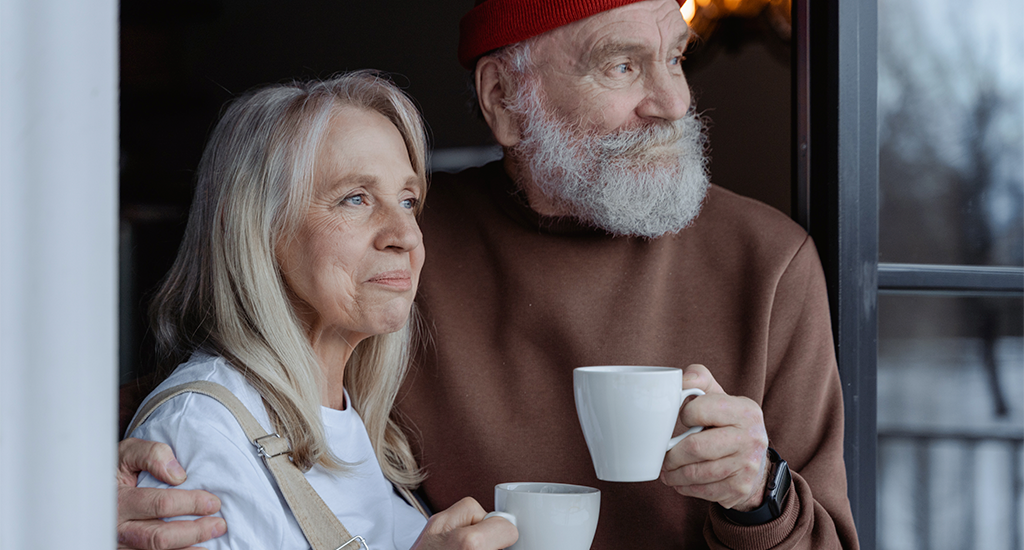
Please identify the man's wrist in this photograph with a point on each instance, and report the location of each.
(774, 496)
(757, 499)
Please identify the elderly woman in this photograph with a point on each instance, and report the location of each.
(293, 289)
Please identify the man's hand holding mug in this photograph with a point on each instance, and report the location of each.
(628, 414)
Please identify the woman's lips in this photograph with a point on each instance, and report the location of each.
(399, 279)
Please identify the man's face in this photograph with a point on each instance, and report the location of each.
(618, 69)
(605, 133)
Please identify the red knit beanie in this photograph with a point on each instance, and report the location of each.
(496, 23)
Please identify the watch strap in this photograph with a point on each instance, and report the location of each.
(775, 492)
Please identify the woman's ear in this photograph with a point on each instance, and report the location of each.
(491, 89)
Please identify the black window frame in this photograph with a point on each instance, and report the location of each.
(835, 192)
(835, 197)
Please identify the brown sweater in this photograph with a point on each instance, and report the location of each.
(515, 301)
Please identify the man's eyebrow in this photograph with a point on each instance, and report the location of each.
(683, 40)
(610, 50)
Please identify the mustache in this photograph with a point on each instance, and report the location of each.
(643, 142)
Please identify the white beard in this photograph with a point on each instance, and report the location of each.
(641, 182)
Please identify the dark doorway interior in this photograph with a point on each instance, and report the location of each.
(181, 60)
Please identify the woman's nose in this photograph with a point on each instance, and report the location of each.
(398, 229)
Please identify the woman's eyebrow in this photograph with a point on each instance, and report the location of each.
(371, 182)
(416, 181)
(349, 180)
(357, 179)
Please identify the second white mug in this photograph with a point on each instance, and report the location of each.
(628, 414)
(549, 516)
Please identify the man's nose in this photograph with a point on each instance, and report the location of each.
(668, 96)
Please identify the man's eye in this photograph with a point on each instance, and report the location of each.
(622, 68)
(410, 203)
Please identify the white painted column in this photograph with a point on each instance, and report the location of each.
(58, 273)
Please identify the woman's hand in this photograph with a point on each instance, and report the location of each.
(138, 509)
(461, 527)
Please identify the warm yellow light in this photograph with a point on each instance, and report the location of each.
(688, 10)
(703, 15)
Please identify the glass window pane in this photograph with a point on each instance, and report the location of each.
(950, 422)
(951, 131)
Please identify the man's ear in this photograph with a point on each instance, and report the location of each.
(492, 87)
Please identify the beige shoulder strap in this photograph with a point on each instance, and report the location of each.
(322, 528)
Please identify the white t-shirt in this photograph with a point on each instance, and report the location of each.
(211, 446)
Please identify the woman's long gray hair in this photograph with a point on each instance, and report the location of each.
(225, 292)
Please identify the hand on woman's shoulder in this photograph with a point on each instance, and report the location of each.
(211, 446)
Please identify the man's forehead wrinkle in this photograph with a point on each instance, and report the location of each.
(628, 36)
(671, 16)
(674, 30)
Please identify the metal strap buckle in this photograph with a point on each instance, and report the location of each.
(357, 539)
(262, 451)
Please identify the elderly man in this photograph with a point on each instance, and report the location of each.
(598, 240)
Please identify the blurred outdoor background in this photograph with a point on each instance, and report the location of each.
(951, 193)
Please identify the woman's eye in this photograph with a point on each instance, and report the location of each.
(410, 203)
(355, 200)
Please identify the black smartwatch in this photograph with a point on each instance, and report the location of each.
(779, 480)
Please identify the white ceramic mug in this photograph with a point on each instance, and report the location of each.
(549, 516)
(628, 414)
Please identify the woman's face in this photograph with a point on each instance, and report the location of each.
(353, 265)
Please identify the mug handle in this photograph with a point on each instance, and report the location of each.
(675, 440)
(504, 515)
